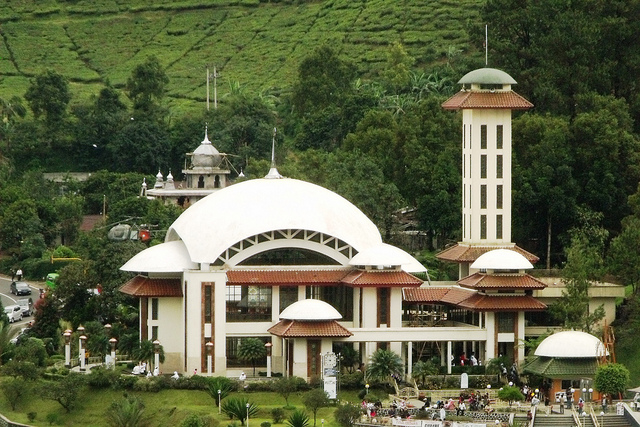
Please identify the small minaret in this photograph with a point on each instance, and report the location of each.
(486, 101)
(273, 171)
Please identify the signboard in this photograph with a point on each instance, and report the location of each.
(330, 387)
(464, 381)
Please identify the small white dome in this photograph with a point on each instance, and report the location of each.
(310, 309)
(501, 259)
(571, 344)
(170, 257)
(385, 254)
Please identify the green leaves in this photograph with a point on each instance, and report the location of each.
(611, 379)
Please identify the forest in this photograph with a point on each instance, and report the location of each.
(373, 132)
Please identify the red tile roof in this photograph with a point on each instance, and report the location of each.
(285, 277)
(141, 286)
(376, 278)
(497, 99)
(501, 281)
(322, 277)
(89, 222)
(469, 253)
(424, 295)
(301, 329)
(482, 302)
(456, 295)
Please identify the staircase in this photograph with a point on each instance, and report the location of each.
(612, 420)
(555, 420)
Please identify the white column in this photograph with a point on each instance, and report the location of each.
(82, 353)
(448, 357)
(409, 359)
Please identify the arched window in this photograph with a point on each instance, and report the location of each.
(201, 182)
(216, 182)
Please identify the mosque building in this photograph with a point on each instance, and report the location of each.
(302, 269)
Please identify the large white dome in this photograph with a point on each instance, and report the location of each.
(249, 208)
(571, 344)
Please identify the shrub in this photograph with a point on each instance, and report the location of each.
(237, 408)
(125, 382)
(352, 381)
(147, 384)
(222, 384)
(100, 378)
(347, 415)
(265, 424)
(298, 419)
(277, 414)
(53, 418)
(193, 420)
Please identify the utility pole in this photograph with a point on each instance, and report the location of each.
(215, 76)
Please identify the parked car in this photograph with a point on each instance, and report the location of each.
(27, 306)
(20, 288)
(24, 332)
(14, 313)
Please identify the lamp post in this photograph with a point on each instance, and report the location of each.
(82, 353)
(156, 360)
(268, 347)
(209, 346)
(113, 342)
(67, 348)
(219, 398)
(367, 387)
(247, 414)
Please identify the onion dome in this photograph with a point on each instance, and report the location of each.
(206, 155)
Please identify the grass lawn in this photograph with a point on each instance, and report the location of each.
(165, 408)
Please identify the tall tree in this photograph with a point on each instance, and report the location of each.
(146, 88)
(545, 190)
(584, 266)
(49, 96)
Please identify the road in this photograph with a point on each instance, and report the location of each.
(9, 299)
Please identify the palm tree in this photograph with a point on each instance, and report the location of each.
(383, 365)
(126, 412)
(252, 350)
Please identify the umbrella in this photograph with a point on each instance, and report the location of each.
(635, 390)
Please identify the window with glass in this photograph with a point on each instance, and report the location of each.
(248, 303)
(498, 226)
(154, 333)
(483, 137)
(208, 315)
(339, 297)
(483, 196)
(499, 196)
(499, 166)
(506, 321)
(499, 136)
(483, 226)
(483, 166)
(154, 308)
(234, 344)
(288, 295)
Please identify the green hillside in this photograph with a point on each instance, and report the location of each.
(257, 44)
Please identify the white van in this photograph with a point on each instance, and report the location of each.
(27, 306)
(14, 312)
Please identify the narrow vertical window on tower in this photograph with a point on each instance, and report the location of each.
(499, 133)
(483, 166)
(464, 136)
(483, 196)
(483, 137)
(499, 166)
(499, 196)
(498, 226)
(154, 308)
(483, 226)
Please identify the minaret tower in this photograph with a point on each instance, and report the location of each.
(486, 101)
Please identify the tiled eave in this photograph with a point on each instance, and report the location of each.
(309, 329)
(501, 281)
(142, 286)
(376, 278)
(285, 277)
(356, 278)
(469, 253)
(486, 99)
(482, 302)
